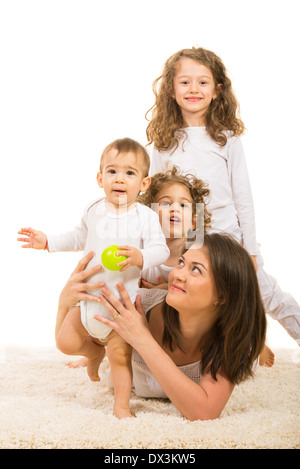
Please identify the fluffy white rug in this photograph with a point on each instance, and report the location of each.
(44, 404)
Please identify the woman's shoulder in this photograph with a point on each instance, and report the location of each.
(151, 297)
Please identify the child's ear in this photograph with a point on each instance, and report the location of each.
(99, 180)
(194, 222)
(145, 184)
(218, 90)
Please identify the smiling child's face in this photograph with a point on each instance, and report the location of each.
(194, 89)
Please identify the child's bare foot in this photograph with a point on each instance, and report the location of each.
(93, 365)
(82, 362)
(267, 357)
(122, 412)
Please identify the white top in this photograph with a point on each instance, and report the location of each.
(99, 228)
(225, 171)
(145, 384)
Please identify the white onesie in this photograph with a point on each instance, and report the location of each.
(138, 227)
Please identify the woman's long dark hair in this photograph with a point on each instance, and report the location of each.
(238, 335)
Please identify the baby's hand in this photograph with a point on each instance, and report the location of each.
(134, 257)
(35, 239)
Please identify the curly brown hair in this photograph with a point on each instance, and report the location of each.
(165, 129)
(198, 189)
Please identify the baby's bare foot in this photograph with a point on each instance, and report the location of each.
(122, 412)
(267, 357)
(93, 366)
(82, 362)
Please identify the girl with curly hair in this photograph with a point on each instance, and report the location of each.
(180, 201)
(195, 125)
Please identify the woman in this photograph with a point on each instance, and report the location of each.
(202, 339)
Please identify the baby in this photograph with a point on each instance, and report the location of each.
(116, 219)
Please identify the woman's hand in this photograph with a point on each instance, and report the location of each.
(129, 320)
(76, 288)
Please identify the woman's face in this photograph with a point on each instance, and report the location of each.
(175, 210)
(191, 283)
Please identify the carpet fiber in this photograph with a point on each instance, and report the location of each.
(44, 404)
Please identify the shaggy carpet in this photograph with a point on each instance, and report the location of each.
(44, 404)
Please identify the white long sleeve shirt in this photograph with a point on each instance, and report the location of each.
(99, 228)
(225, 171)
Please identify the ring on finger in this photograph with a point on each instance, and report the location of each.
(115, 315)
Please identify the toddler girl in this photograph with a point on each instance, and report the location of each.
(180, 201)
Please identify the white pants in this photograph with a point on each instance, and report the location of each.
(278, 304)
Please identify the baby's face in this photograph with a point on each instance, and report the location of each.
(122, 177)
(174, 206)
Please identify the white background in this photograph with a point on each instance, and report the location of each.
(75, 75)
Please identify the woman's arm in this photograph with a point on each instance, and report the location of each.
(195, 401)
(203, 401)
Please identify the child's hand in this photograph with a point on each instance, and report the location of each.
(134, 257)
(35, 239)
(162, 285)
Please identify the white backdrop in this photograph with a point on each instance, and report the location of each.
(76, 74)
